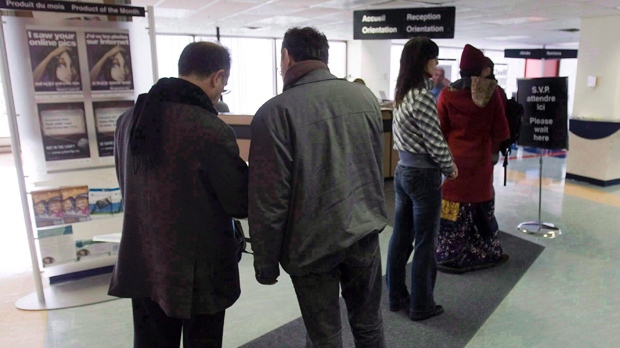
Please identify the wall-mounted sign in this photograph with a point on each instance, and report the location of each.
(72, 7)
(540, 53)
(545, 120)
(403, 23)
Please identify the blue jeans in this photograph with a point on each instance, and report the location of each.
(416, 220)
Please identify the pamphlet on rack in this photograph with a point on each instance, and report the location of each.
(87, 249)
(47, 207)
(105, 201)
(75, 204)
(56, 245)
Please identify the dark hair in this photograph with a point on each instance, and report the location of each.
(471, 72)
(109, 64)
(489, 64)
(203, 58)
(413, 60)
(360, 81)
(306, 44)
(74, 66)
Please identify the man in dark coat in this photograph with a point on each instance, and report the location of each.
(316, 193)
(182, 182)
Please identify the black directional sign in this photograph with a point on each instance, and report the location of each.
(432, 22)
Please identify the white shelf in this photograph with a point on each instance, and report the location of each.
(92, 262)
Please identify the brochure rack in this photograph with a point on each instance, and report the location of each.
(61, 129)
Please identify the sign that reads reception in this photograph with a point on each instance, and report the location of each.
(434, 23)
(545, 121)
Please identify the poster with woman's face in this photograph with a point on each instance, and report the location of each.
(54, 61)
(109, 61)
(106, 114)
(63, 129)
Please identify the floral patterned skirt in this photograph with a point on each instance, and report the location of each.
(468, 235)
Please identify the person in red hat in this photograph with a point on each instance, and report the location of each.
(472, 119)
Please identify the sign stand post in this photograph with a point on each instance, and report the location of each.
(545, 126)
(539, 228)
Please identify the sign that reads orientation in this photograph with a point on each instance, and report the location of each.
(545, 121)
(434, 23)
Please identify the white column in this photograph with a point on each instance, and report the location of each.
(591, 157)
(599, 55)
(370, 60)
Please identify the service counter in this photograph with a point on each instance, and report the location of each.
(593, 155)
(390, 156)
(241, 125)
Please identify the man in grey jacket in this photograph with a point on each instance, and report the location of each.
(316, 199)
(182, 182)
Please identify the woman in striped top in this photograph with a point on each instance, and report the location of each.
(423, 157)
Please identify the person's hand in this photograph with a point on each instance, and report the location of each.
(266, 281)
(267, 275)
(58, 51)
(454, 174)
(116, 49)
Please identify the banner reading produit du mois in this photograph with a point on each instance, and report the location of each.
(72, 7)
(545, 120)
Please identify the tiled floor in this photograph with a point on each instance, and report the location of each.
(568, 298)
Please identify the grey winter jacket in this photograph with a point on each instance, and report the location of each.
(316, 178)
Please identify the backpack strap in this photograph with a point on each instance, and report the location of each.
(508, 151)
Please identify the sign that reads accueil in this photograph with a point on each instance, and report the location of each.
(545, 121)
(433, 22)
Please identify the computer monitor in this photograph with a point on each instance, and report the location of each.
(383, 96)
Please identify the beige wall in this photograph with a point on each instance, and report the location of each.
(599, 55)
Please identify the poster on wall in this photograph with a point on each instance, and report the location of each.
(63, 129)
(545, 120)
(54, 61)
(106, 113)
(109, 61)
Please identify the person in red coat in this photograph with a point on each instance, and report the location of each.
(471, 114)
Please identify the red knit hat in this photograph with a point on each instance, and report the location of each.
(471, 58)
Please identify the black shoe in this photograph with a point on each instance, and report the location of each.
(450, 268)
(403, 303)
(435, 312)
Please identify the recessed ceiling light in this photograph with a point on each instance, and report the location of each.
(518, 20)
(502, 38)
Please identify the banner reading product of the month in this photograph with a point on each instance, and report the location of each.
(109, 61)
(54, 61)
(545, 120)
(63, 129)
(106, 113)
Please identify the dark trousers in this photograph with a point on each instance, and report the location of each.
(416, 223)
(359, 275)
(153, 328)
